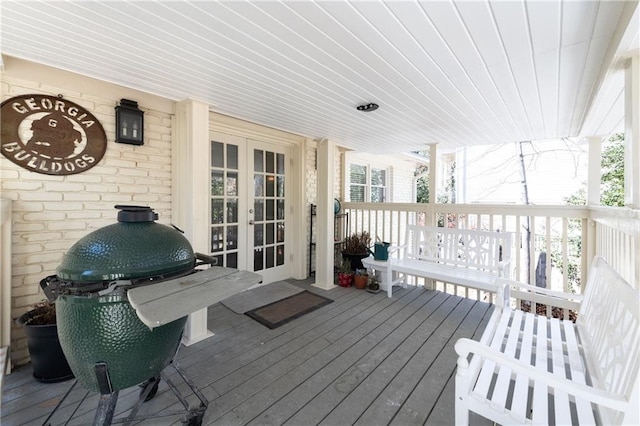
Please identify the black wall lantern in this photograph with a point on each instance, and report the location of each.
(129, 123)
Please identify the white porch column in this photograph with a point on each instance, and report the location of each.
(324, 216)
(190, 163)
(595, 172)
(632, 132)
(5, 279)
(433, 184)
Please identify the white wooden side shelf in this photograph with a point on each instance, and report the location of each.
(531, 369)
(474, 259)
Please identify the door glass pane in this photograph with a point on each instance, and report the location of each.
(258, 185)
(216, 238)
(232, 211)
(280, 254)
(217, 154)
(269, 210)
(232, 157)
(270, 165)
(280, 165)
(280, 192)
(269, 257)
(217, 182)
(258, 233)
(232, 184)
(280, 210)
(217, 211)
(280, 235)
(258, 160)
(232, 260)
(258, 263)
(271, 185)
(259, 210)
(232, 238)
(269, 234)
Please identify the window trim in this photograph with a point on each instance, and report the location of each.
(368, 185)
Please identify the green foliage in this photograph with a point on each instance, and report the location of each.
(612, 181)
(611, 194)
(422, 185)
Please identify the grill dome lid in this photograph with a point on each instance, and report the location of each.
(135, 247)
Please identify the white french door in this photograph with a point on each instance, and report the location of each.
(248, 216)
(267, 241)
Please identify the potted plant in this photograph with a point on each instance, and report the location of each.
(356, 248)
(374, 285)
(345, 274)
(47, 359)
(361, 278)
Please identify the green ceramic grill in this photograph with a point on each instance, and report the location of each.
(100, 333)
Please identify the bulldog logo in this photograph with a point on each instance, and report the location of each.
(50, 135)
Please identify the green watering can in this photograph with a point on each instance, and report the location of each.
(380, 251)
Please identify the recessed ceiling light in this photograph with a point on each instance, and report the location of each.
(368, 107)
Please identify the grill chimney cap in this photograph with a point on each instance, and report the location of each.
(136, 214)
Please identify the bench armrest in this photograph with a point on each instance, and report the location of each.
(535, 294)
(504, 268)
(466, 346)
(393, 249)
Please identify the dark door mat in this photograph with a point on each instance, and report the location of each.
(281, 312)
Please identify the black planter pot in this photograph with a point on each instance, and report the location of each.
(355, 260)
(48, 361)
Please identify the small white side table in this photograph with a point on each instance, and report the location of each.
(382, 265)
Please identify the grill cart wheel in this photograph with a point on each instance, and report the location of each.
(149, 388)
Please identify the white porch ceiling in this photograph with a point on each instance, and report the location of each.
(453, 72)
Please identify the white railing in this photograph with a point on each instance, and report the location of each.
(617, 239)
(5, 281)
(565, 234)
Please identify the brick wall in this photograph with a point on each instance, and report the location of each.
(50, 213)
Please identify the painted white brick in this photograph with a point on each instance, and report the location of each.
(120, 198)
(133, 172)
(42, 236)
(8, 174)
(83, 214)
(81, 196)
(19, 228)
(43, 216)
(65, 206)
(63, 187)
(84, 178)
(120, 163)
(66, 225)
(26, 269)
(27, 248)
(40, 196)
(21, 185)
(42, 258)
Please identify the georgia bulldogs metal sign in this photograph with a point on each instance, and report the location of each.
(50, 135)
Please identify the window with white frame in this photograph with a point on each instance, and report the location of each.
(367, 184)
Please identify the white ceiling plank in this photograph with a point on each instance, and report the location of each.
(454, 72)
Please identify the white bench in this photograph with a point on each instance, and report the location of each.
(474, 259)
(531, 369)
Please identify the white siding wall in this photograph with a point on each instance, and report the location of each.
(50, 213)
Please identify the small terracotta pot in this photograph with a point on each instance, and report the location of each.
(361, 281)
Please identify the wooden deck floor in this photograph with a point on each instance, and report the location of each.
(364, 359)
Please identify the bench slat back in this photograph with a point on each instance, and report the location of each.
(608, 324)
(479, 250)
